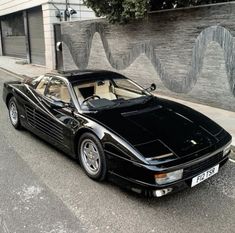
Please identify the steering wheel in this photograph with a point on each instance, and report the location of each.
(90, 97)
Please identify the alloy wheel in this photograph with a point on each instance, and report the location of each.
(13, 113)
(90, 156)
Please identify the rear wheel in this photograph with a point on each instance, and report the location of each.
(92, 157)
(14, 113)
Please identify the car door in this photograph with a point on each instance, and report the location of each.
(63, 122)
(34, 107)
(57, 125)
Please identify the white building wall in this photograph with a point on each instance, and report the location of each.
(49, 9)
(49, 17)
(10, 6)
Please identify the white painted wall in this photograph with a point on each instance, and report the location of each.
(49, 18)
(10, 6)
(49, 9)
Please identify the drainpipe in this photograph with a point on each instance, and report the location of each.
(66, 11)
(27, 39)
(1, 42)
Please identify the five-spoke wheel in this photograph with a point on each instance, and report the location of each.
(91, 156)
(13, 113)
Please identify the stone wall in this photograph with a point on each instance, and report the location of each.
(188, 53)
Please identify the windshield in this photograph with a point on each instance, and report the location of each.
(109, 93)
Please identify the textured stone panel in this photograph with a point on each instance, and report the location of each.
(188, 53)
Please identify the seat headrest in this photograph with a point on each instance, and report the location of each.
(64, 94)
(102, 87)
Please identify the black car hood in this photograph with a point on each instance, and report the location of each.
(180, 129)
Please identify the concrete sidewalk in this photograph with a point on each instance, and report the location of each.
(16, 66)
(222, 117)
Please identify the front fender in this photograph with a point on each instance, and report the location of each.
(111, 141)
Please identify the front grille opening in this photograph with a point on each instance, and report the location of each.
(204, 165)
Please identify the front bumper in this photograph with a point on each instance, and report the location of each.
(140, 183)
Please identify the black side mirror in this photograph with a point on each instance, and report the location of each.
(153, 87)
(57, 104)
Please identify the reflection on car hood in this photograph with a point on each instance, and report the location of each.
(179, 128)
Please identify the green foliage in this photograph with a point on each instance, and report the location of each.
(168, 4)
(123, 11)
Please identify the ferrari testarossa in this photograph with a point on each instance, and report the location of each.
(118, 130)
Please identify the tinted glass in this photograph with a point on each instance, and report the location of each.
(41, 86)
(58, 90)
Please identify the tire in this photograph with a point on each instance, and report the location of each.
(14, 113)
(91, 157)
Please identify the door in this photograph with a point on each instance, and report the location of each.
(58, 91)
(53, 124)
(61, 119)
(39, 118)
(13, 35)
(36, 36)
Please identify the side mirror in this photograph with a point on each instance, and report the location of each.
(57, 104)
(153, 87)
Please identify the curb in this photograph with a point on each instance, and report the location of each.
(21, 76)
(13, 73)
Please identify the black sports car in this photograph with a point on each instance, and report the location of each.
(119, 130)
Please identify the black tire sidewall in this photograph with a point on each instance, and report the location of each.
(103, 170)
(13, 100)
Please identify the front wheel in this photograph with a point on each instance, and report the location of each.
(92, 157)
(13, 113)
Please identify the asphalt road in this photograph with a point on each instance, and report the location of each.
(43, 190)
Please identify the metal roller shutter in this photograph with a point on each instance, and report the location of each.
(36, 36)
(13, 35)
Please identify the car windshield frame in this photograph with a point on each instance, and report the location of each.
(144, 97)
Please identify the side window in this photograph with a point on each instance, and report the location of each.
(42, 85)
(57, 89)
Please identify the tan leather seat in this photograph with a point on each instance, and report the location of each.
(64, 94)
(103, 91)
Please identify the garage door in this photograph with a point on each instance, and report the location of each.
(36, 36)
(13, 35)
